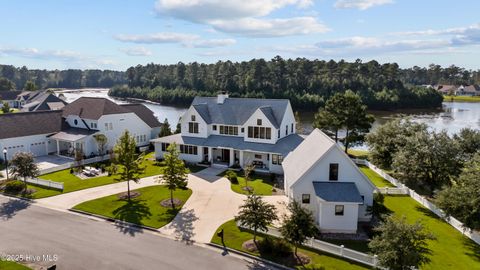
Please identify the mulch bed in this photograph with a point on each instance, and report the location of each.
(291, 259)
(124, 195)
(300, 259)
(248, 189)
(168, 203)
(250, 246)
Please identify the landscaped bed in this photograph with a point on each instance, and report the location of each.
(145, 209)
(374, 177)
(451, 250)
(235, 237)
(259, 184)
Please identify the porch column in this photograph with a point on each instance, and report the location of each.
(210, 155)
(232, 157)
(58, 147)
(241, 158)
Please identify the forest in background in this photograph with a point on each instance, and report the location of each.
(307, 83)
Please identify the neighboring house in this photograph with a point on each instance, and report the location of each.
(469, 90)
(227, 132)
(320, 176)
(10, 98)
(43, 101)
(446, 89)
(75, 126)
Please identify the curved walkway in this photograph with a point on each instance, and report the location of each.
(211, 204)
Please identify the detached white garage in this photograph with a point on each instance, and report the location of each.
(38, 149)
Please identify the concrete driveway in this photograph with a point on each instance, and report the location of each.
(211, 204)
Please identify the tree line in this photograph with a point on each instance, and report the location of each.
(16, 78)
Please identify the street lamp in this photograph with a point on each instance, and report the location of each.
(6, 162)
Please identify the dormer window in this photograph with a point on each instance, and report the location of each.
(333, 172)
(75, 122)
(259, 122)
(193, 118)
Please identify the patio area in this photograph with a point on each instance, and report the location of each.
(51, 161)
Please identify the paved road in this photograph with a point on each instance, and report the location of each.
(85, 243)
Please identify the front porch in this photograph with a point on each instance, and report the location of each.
(72, 141)
(229, 157)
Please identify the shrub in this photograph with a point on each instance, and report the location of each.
(14, 187)
(232, 176)
(273, 177)
(276, 246)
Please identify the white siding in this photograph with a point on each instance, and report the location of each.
(36, 143)
(202, 125)
(288, 120)
(331, 223)
(252, 121)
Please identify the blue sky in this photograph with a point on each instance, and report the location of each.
(108, 34)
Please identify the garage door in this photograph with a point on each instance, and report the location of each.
(15, 149)
(38, 149)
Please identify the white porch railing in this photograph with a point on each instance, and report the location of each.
(474, 235)
(45, 183)
(341, 251)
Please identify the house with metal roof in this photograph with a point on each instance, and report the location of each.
(320, 176)
(75, 126)
(233, 132)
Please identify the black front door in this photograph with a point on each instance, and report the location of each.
(226, 155)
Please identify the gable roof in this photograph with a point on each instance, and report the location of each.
(41, 103)
(30, 123)
(9, 95)
(338, 192)
(143, 113)
(267, 111)
(93, 108)
(310, 151)
(236, 111)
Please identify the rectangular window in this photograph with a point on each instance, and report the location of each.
(363, 199)
(214, 127)
(228, 130)
(286, 130)
(250, 132)
(193, 118)
(259, 122)
(110, 126)
(165, 147)
(339, 210)
(333, 173)
(279, 133)
(291, 128)
(277, 159)
(258, 156)
(243, 130)
(188, 149)
(106, 126)
(305, 198)
(192, 127)
(260, 132)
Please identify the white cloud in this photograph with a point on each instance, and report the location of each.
(212, 43)
(468, 35)
(271, 27)
(203, 11)
(361, 4)
(137, 51)
(162, 37)
(243, 17)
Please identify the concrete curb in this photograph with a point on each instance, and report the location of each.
(244, 254)
(17, 197)
(113, 220)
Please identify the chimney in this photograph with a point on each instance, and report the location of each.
(221, 97)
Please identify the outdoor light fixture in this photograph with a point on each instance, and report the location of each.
(6, 162)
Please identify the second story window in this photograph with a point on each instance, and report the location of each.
(259, 133)
(193, 118)
(192, 127)
(214, 127)
(279, 133)
(259, 122)
(228, 130)
(333, 173)
(286, 130)
(291, 129)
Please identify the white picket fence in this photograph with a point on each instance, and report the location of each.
(45, 183)
(400, 188)
(341, 251)
(72, 164)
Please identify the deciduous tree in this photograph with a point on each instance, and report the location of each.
(256, 214)
(23, 165)
(175, 174)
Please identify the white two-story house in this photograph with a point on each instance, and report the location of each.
(226, 131)
(320, 176)
(75, 126)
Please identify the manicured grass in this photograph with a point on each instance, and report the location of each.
(4, 265)
(376, 179)
(234, 238)
(462, 98)
(451, 250)
(73, 183)
(261, 184)
(361, 154)
(143, 210)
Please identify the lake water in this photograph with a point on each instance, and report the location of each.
(453, 117)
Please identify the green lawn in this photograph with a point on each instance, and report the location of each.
(261, 184)
(143, 210)
(4, 265)
(462, 98)
(361, 154)
(451, 250)
(376, 179)
(73, 183)
(234, 238)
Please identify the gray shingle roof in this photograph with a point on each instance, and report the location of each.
(235, 111)
(30, 123)
(338, 192)
(40, 102)
(93, 108)
(283, 146)
(143, 113)
(9, 95)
